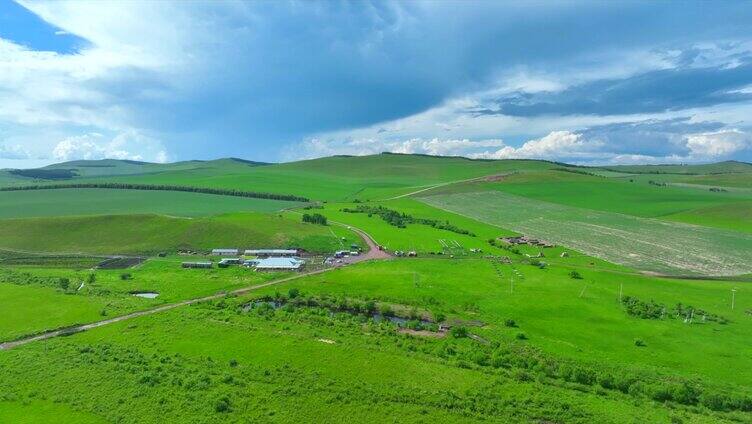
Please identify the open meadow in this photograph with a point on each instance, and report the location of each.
(448, 324)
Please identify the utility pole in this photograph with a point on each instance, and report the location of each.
(733, 298)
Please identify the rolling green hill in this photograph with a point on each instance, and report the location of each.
(143, 234)
(94, 201)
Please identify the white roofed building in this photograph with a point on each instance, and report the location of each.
(279, 264)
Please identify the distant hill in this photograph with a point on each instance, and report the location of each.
(330, 178)
(727, 167)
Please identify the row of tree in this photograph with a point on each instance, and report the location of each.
(400, 220)
(130, 186)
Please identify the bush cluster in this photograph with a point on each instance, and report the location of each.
(315, 218)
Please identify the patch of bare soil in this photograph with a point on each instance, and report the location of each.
(422, 333)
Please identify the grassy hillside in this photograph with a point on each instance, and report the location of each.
(711, 168)
(73, 170)
(95, 201)
(733, 216)
(645, 244)
(134, 234)
(332, 178)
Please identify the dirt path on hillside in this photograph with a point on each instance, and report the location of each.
(494, 177)
(372, 253)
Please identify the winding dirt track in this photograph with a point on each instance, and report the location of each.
(373, 253)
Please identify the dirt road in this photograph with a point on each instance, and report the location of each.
(372, 253)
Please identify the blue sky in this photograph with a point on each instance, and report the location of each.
(585, 82)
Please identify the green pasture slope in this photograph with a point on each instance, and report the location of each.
(332, 178)
(632, 196)
(148, 234)
(645, 244)
(87, 201)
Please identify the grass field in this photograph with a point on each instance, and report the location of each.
(66, 202)
(333, 178)
(733, 216)
(580, 337)
(638, 198)
(644, 244)
(214, 362)
(34, 301)
(143, 234)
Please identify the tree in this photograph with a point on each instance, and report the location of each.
(315, 218)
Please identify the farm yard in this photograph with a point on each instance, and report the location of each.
(511, 299)
(641, 243)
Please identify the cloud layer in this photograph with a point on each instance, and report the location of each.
(284, 80)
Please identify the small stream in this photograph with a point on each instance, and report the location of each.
(376, 316)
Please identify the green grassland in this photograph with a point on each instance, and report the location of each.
(733, 216)
(727, 167)
(33, 299)
(640, 243)
(214, 361)
(558, 316)
(332, 178)
(144, 234)
(636, 197)
(545, 345)
(66, 202)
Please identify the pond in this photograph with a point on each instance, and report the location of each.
(146, 295)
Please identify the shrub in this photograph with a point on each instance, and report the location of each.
(233, 363)
(293, 293)
(575, 275)
(385, 310)
(64, 283)
(639, 343)
(439, 317)
(370, 306)
(510, 323)
(521, 336)
(125, 276)
(458, 332)
(222, 405)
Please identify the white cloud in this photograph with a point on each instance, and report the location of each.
(718, 144)
(317, 147)
(557, 144)
(128, 145)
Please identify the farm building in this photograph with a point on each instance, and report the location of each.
(224, 252)
(225, 262)
(196, 264)
(265, 253)
(279, 264)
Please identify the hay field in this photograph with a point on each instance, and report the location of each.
(641, 243)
